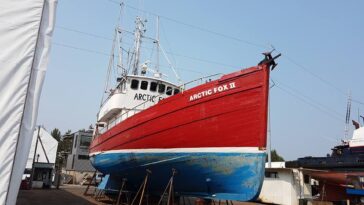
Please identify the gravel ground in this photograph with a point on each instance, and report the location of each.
(72, 195)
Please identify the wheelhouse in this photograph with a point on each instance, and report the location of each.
(132, 95)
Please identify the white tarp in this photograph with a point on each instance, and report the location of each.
(50, 148)
(26, 27)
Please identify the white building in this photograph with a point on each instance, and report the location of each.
(285, 186)
(42, 156)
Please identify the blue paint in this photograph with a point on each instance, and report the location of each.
(228, 176)
(359, 192)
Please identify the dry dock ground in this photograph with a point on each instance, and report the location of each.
(67, 195)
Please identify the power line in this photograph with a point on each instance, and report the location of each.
(309, 99)
(194, 26)
(107, 38)
(328, 83)
(88, 33)
(85, 33)
(204, 60)
(80, 49)
(105, 54)
(307, 102)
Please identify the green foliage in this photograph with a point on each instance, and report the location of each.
(63, 146)
(275, 156)
(56, 134)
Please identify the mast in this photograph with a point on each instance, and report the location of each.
(119, 36)
(139, 31)
(157, 38)
(348, 109)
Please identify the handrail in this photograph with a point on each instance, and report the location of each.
(202, 78)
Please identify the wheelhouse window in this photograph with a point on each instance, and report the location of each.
(176, 91)
(134, 84)
(144, 85)
(169, 90)
(153, 86)
(161, 88)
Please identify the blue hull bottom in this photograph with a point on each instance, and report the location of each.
(228, 176)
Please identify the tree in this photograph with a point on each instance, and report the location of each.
(276, 157)
(56, 134)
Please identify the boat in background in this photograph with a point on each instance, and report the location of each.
(339, 172)
(348, 156)
(213, 134)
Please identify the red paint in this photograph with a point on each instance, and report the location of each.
(233, 118)
(333, 184)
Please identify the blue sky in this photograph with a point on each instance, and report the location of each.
(321, 44)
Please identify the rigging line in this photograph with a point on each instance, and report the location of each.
(170, 64)
(110, 66)
(171, 53)
(91, 34)
(204, 60)
(180, 68)
(310, 99)
(167, 42)
(196, 27)
(315, 75)
(321, 79)
(84, 33)
(308, 103)
(357, 101)
(80, 49)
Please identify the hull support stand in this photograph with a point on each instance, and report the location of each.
(122, 191)
(169, 187)
(90, 182)
(142, 189)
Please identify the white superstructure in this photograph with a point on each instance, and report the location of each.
(136, 93)
(135, 90)
(358, 138)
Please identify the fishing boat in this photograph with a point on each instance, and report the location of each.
(212, 134)
(340, 171)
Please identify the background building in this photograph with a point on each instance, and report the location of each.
(41, 159)
(286, 186)
(77, 163)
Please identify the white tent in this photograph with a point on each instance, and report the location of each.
(26, 27)
(46, 148)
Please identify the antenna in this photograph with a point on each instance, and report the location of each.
(348, 109)
(157, 41)
(139, 31)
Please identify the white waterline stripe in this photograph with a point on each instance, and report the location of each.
(187, 150)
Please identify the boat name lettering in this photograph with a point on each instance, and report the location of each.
(146, 97)
(212, 91)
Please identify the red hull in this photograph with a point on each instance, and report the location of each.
(228, 112)
(333, 184)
